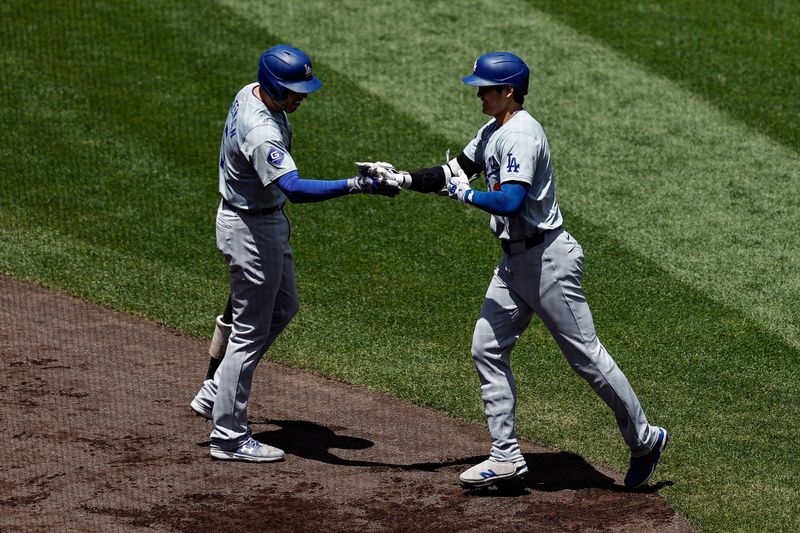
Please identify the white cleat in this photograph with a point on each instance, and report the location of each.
(200, 410)
(490, 472)
(251, 450)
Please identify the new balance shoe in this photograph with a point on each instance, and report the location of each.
(490, 472)
(642, 468)
(251, 450)
(200, 409)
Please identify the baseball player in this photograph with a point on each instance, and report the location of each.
(540, 272)
(256, 176)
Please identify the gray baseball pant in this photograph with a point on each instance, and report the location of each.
(546, 280)
(264, 297)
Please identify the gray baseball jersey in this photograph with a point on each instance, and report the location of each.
(546, 280)
(518, 152)
(254, 152)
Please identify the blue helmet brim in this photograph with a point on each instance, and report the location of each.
(477, 81)
(303, 86)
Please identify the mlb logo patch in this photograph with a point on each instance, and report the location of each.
(275, 157)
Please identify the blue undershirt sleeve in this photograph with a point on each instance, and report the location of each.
(507, 201)
(299, 190)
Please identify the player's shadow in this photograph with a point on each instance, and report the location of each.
(314, 441)
(554, 471)
(557, 471)
(311, 441)
(548, 472)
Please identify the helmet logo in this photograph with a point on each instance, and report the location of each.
(308, 70)
(475, 66)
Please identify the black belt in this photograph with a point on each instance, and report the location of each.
(264, 211)
(515, 247)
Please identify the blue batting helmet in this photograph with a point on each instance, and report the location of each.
(283, 68)
(499, 68)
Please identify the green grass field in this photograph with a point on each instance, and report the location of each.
(676, 153)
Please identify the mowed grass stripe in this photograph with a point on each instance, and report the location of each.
(735, 54)
(391, 289)
(691, 188)
(115, 140)
(113, 277)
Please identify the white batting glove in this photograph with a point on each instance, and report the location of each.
(371, 167)
(458, 188)
(402, 178)
(370, 185)
(387, 171)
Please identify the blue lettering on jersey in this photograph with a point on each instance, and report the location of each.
(230, 132)
(275, 157)
(512, 165)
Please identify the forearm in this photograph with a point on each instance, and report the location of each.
(508, 201)
(299, 190)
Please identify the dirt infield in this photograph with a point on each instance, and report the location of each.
(97, 436)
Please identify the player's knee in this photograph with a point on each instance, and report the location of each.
(482, 329)
(485, 344)
(484, 349)
(479, 343)
(590, 364)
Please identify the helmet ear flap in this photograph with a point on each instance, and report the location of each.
(274, 90)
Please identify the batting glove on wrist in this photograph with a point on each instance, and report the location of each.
(458, 189)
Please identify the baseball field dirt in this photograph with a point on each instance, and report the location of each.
(98, 436)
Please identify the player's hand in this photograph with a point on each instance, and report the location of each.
(458, 188)
(365, 184)
(385, 186)
(387, 171)
(371, 168)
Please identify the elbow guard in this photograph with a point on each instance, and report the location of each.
(428, 180)
(434, 179)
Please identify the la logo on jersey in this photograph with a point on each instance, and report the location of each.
(511, 163)
(275, 157)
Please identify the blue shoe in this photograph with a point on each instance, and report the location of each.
(251, 450)
(642, 468)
